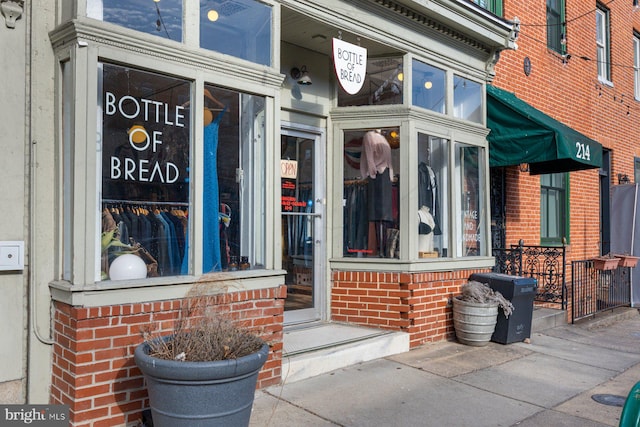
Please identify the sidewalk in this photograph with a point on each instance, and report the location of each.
(549, 382)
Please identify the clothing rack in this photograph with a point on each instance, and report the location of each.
(139, 202)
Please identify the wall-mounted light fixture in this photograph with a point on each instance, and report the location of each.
(12, 11)
(524, 167)
(623, 179)
(301, 75)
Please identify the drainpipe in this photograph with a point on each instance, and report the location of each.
(32, 270)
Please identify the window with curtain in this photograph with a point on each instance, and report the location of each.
(556, 27)
(554, 201)
(603, 44)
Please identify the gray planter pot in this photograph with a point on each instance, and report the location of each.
(195, 394)
(474, 322)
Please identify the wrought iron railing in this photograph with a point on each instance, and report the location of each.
(594, 291)
(544, 263)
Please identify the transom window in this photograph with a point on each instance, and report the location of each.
(240, 28)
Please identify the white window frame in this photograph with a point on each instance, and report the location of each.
(603, 44)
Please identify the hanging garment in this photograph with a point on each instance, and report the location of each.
(428, 193)
(211, 259)
(376, 155)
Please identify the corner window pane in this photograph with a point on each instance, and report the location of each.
(370, 196)
(241, 28)
(428, 87)
(144, 135)
(160, 18)
(467, 99)
(472, 236)
(433, 202)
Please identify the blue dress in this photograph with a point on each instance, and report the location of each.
(211, 260)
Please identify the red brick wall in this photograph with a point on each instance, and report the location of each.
(93, 367)
(416, 303)
(571, 93)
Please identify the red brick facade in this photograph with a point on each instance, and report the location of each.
(93, 367)
(416, 303)
(569, 91)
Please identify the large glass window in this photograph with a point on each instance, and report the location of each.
(553, 207)
(241, 28)
(428, 87)
(556, 27)
(467, 99)
(144, 123)
(382, 84)
(370, 196)
(145, 147)
(603, 44)
(160, 18)
(433, 197)
(471, 240)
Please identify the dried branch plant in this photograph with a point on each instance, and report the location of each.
(203, 331)
(474, 291)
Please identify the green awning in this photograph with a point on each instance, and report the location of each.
(521, 133)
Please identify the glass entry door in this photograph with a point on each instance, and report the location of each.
(303, 228)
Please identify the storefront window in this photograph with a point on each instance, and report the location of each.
(472, 211)
(382, 84)
(160, 18)
(145, 147)
(241, 28)
(234, 180)
(370, 197)
(144, 123)
(433, 199)
(467, 99)
(428, 87)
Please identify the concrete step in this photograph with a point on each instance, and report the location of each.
(547, 318)
(326, 347)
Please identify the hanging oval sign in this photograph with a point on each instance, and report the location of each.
(350, 62)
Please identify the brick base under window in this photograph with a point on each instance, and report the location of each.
(93, 367)
(416, 303)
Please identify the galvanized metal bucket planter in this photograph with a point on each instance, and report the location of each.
(474, 322)
(198, 394)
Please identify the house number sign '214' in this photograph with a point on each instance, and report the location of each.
(584, 151)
